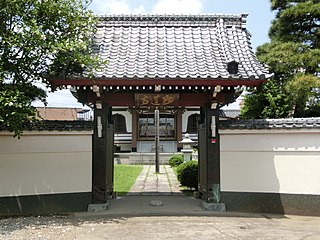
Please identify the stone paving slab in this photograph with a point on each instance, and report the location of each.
(151, 183)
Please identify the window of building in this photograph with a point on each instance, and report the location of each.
(119, 123)
(147, 128)
(193, 121)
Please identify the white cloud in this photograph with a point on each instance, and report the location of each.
(139, 9)
(178, 7)
(115, 7)
(160, 7)
(60, 98)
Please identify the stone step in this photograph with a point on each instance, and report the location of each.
(142, 158)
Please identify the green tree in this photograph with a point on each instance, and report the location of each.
(293, 55)
(39, 40)
(266, 102)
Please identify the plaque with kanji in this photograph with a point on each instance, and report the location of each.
(156, 100)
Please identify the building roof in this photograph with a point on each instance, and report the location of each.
(229, 113)
(176, 47)
(55, 113)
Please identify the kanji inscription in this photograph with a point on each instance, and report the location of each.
(156, 99)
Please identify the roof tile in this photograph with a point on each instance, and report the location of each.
(287, 123)
(185, 46)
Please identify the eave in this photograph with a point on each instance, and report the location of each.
(162, 82)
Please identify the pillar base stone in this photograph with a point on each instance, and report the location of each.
(99, 207)
(216, 207)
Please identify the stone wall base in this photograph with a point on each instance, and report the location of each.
(45, 204)
(277, 203)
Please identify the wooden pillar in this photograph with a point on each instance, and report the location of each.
(179, 129)
(102, 153)
(157, 139)
(134, 130)
(209, 154)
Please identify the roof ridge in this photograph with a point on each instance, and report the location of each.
(171, 17)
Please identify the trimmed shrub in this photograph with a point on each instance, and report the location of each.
(187, 174)
(176, 160)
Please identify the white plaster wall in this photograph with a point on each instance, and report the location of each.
(185, 117)
(128, 117)
(277, 161)
(45, 162)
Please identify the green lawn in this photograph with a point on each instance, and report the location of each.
(124, 177)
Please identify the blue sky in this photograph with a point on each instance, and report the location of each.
(258, 22)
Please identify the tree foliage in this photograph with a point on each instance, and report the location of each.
(38, 40)
(293, 55)
(15, 106)
(266, 102)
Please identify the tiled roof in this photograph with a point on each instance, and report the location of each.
(287, 123)
(58, 125)
(229, 113)
(176, 46)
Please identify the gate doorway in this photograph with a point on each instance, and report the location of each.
(103, 142)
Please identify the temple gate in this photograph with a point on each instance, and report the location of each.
(166, 63)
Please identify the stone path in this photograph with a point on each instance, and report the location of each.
(151, 183)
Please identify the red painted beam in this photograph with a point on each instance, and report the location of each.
(119, 99)
(194, 99)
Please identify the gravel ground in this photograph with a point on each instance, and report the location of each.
(192, 227)
(53, 227)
